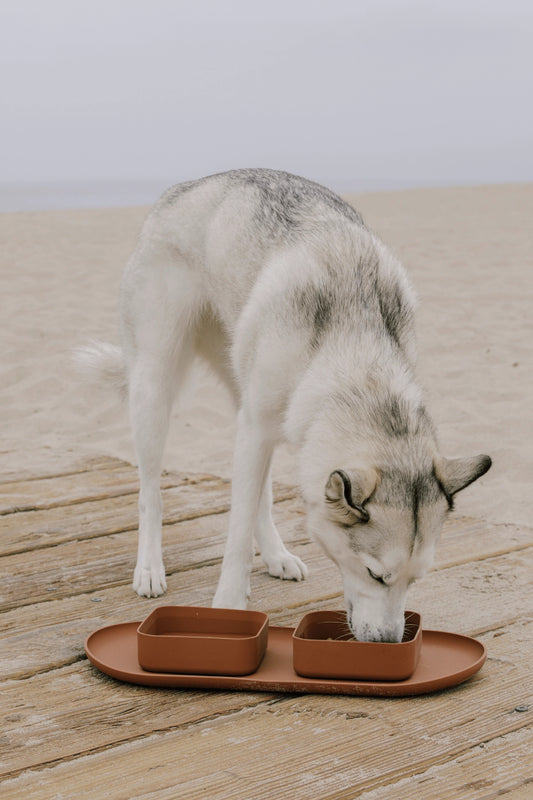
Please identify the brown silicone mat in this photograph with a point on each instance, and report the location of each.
(446, 659)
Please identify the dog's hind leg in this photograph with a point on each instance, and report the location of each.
(151, 396)
(159, 350)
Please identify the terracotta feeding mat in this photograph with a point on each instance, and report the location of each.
(445, 659)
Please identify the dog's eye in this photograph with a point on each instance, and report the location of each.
(373, 575)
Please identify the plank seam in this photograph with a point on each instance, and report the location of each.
(26, 676)
(288, 493)
(168, 521)
(18, 478)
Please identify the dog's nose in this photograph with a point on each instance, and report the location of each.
(365, 633)
(381, 636)
(393, 633)
(390, 636)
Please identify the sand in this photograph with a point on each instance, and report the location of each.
(468, 251)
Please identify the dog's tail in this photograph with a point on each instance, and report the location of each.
(102, 363)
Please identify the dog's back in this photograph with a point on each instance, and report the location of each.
(226, 225)
(268, 256)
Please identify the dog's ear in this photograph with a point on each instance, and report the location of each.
(346, 492)
(456, 473)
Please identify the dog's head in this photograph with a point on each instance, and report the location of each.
(381, 528)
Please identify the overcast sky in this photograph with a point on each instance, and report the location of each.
(354, 93)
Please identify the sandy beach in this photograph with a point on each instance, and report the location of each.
(469, 254)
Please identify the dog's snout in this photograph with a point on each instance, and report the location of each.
(393, 633)
(385, 635)
(364, 631)
(390, 636)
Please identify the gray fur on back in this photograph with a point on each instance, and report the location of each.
(342, 282)
(285, 199)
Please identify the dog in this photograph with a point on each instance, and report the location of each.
(308, 319)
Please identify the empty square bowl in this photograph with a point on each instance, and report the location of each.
(202, 641)
(324, 647)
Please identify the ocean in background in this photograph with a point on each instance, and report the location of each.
(63, 195)
(44, 196)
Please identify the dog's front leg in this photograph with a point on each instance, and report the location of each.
(251, 464)
(278, 560)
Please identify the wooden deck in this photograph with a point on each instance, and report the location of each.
(68, 544)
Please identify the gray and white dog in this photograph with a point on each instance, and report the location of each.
(308, 319)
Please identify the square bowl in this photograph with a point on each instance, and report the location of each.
(202, 641)
(324, 647)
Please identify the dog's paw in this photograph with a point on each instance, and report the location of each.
(149, 582)
(286, 566)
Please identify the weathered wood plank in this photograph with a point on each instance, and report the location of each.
(308, 746)
(466, 539)
(34, 530)
(503, 766)
(96, 712)
(86, 565)
(478, 596)
(58, 490)
(518, 793)
(66, 466)
(63, 490)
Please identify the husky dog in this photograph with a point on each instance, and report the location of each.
(307, 317)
